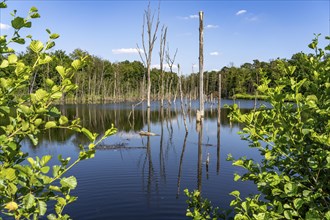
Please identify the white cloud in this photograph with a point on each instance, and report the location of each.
(189, 17)
(240, 12)
(127, 51)
(4, 26)
(193, 16)
(209, 26)
(215, 53)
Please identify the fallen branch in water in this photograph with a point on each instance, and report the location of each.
(147, 133)
(116, 147)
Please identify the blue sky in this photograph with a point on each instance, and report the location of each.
(235, 31)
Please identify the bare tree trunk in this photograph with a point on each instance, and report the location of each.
(115, 85)
(161, 59)
(148, 19)
(170, 62)
(219, 101)
(101, 80)
(256, 92)
(169, 91)
(201, 65)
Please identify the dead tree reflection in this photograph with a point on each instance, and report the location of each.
(161, 150)
(200, 154)
(180, 165)
(218, 150)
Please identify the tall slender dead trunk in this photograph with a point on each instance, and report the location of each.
(148, 19)
(201, 64)
(170, 62)
(161, 61)
(219, 101)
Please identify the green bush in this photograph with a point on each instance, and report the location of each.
(294, 140)
(28, 184)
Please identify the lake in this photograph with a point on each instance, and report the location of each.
(144, 177)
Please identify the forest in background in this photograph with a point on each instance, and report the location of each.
(104, 81)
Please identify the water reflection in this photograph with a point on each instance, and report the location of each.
(100, 119)
(153, 169)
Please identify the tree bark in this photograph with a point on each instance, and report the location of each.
(219, 101)
(148, 19)
(201, 63)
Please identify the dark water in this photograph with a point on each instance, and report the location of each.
(146, 180)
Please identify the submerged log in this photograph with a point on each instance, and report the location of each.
(147, 133)
(116, 147)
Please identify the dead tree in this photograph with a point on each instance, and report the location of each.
(201, 67)
(148, 19)
(161, 62)
(170, 62)
(219, 101)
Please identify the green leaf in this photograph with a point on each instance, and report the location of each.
(54, 36)
(4, 64)
(29, 201)
(3, 5)
(298, 203)
(35, 15)
(45, 169)
(10, 174)
(38, 121)
(42, 207)
(33, 9)
(235, 193)
(268, 155)
(12, 189)
(51, 217)
(327, 215)
(45, 60)
(238, 163)
(61, 71)
(63, 120)
(287, 214)
(36, 46)
(56, 95)
(50, 124)
(50, 45)
(76, 64)
(70, 182)
(312, 215)
(33, 139)
(18, 23)
(110, 131)
(28, 24)
(5, 109)
(49, 82)
(41, 94)
(19, 40)
(56, 170)
(88, 134)
(236, 177)
(31, 161)
(12, 58)
(45, 159)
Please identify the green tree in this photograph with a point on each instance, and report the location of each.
(294, 139)
(28, 184)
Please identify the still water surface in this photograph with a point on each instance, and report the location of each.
(145, 178)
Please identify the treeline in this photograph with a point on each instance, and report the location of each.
(102, 80)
